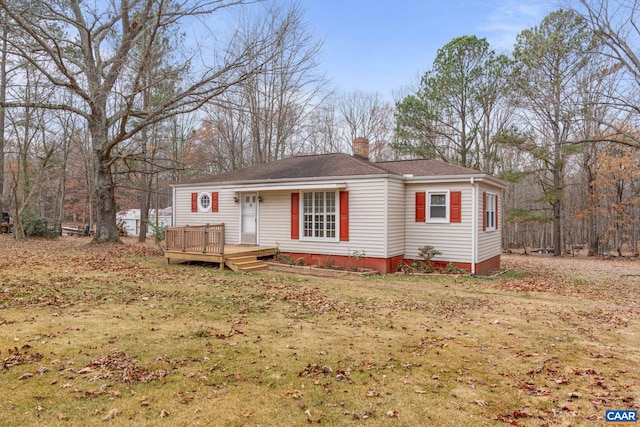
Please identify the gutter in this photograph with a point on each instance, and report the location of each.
(287, 181)
(455, 178)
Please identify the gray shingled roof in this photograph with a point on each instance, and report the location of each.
(334, 165)
(426, 167)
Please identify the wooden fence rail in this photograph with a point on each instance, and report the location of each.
(206, 239)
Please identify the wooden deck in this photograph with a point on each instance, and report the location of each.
(206, 244)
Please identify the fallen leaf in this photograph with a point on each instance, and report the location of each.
(164, 414)
(296, 394)
(111, 415)
(25, 376)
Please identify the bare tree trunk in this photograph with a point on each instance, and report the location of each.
(106, 230)
(592, 235)
(3, 98)
(63, 182)
(145, 191)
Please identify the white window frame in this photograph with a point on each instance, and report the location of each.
(444, 193)
(201, 205)
(304, 214)
(490, 212)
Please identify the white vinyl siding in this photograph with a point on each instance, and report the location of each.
(395, 217)
(367, 219)
(453, 240)
(489, 243)
(381, 219)
(228, 211)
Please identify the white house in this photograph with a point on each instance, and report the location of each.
(130, 219)
(334, 208)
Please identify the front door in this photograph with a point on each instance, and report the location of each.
(249, 218)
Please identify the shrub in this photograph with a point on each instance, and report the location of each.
(452, 269)
(427, 253)
(159, 231)
(36, 226)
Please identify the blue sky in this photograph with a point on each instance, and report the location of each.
(381, 46)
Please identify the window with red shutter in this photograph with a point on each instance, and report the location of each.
(421, 202)
(194, 202)
(295, 216)
(455, 206)
(344, 216)
(214, 202)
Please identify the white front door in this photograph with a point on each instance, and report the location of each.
(249, 218)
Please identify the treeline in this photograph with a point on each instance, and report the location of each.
(104, 106)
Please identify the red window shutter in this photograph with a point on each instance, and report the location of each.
(484, 211)
(421, 212)
(214, 202)
(496, 208)
(344, 216)
(194, 202)
(295, 216)
(455, 206)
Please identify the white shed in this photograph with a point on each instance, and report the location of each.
(130, 219)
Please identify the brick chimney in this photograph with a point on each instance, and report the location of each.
(361, 148)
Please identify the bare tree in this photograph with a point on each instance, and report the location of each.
(324, 131)
(3, 96)
(367, 115)
(614, 22)
(276, 102)
(33, 145)
(88, 49)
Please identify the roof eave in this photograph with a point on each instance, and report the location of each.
(476, 177)
(284, 180)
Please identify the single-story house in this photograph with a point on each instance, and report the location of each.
(345, 210)
(130, 219)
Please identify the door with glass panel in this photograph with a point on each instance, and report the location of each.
(249, 213)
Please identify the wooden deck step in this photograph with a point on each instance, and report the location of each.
(245, 264)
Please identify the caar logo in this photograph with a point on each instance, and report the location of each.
(621, 417)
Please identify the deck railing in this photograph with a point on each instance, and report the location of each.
(206, 239)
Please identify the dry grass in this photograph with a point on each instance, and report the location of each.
(113, 336)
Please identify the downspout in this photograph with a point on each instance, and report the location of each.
(258, 202)
(474, 227)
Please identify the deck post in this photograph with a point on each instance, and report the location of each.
(222, 241)
(184, 233)
(204, 239)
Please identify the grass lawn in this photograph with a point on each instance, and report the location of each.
(112, 335)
